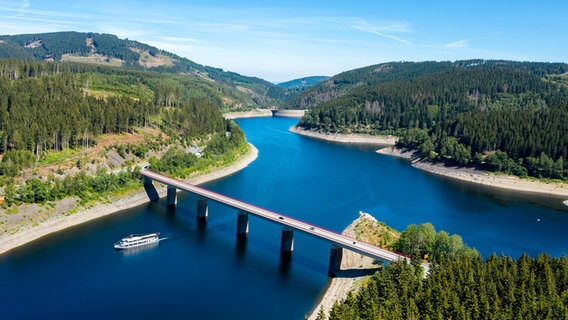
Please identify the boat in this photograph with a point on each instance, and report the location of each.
(137, 240)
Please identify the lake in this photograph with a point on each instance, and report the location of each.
(203, 272)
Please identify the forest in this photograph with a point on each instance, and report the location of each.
(459, 285)
(506, 117)
(53, 109)
(49, 108)
(463, 288)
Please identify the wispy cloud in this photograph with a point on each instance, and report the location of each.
(385, 30)
(458, 44)
(180, 39)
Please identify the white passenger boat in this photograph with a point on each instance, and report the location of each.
(137, 240)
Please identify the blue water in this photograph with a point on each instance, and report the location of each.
(202, 272)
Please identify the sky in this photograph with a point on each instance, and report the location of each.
(284, 40)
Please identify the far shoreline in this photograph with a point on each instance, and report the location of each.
(469, 175)
(60, 222)
(386, 140)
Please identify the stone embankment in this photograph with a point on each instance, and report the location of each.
(354, 268)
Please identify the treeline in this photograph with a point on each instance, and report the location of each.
(423, 242)
(52, 113)
(85, 187)
(54, 45)
(519, 142)
(350, 81)
(53, 106)
(224, 145)
(463, 287)
(464, 114)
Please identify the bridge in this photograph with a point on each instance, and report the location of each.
(289, 224)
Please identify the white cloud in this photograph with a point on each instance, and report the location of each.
(458, 44)
(385, 30)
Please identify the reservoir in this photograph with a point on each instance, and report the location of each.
(203, 272)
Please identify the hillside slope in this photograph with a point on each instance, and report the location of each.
(370, 76)
(106, 49)
(503, 115)
(302, 83)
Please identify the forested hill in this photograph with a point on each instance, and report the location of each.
(302, 83)
(109, 50)
(506, 116)
(361, 78)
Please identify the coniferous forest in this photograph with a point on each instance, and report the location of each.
(53, 107)
(503, 116)
(458, 285)
(463, 288)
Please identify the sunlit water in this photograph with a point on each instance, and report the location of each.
(202, 272)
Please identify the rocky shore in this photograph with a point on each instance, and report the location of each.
(354, 268)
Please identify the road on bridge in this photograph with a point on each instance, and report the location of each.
(328, 235)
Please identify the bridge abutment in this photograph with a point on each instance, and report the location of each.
(171, 198)
(202, 210)
(287, 242)
(335, 257)
(242, 225)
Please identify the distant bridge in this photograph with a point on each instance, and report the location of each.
(289, 224)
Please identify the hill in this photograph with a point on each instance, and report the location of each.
(109, 50)
(302, 83)
(502, 115)
(366, 77)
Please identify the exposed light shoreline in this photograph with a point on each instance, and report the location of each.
(118, 203)
(471, 175)
(347, 138)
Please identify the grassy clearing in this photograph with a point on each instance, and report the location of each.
(55, 157)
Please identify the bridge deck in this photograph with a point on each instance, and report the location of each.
(330, 236)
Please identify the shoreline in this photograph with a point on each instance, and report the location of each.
(60, 222)
(470, 175)
(354, 268)
(347, 138)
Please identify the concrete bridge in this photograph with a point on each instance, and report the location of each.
(288, 224)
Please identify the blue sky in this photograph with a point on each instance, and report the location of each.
(284, 40)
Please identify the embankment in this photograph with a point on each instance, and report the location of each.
(354, 268)
(347, 138)
(481, 177)
(60, 221)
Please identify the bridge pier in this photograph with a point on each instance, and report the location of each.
(335, 257)
(242, 225)
(151, 190)
(202, 210)
(171, 198)
(287, 242)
